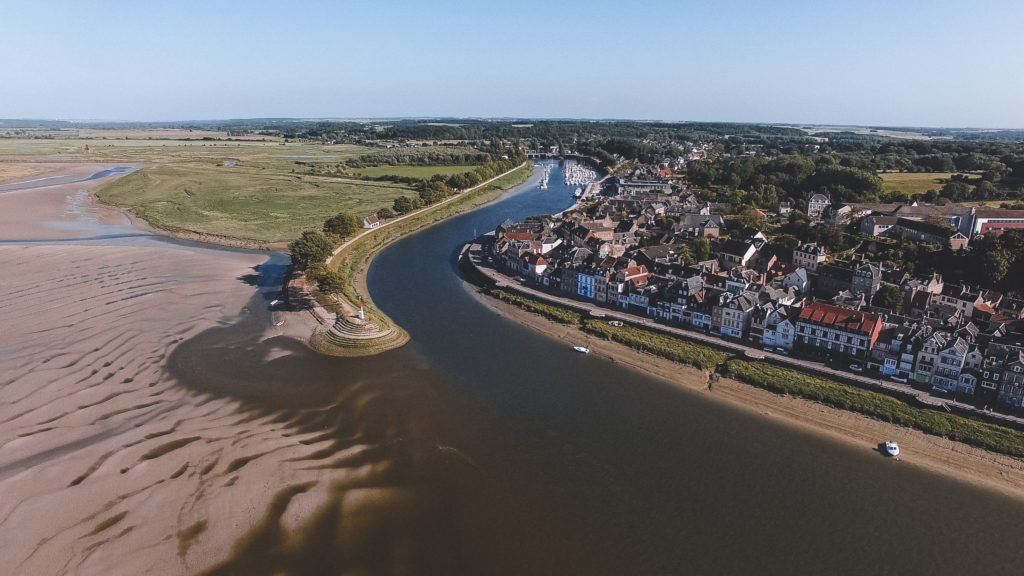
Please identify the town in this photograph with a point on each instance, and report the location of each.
(649, 247)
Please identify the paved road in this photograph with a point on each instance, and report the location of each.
(476, 257)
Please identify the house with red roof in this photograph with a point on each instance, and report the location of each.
(826, 330)
(371, 221)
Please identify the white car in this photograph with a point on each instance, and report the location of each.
(856, 368)
(900, 379)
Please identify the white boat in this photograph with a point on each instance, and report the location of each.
(581, 349)
(615, 323)
(892, 449)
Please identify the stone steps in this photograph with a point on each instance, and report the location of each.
(353, 327)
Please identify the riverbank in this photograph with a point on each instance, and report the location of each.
(351, 335)
(966, 463)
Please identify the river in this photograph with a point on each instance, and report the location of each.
(496, 450)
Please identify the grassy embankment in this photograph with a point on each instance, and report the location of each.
(352, 262)
(784, 380)
(673, 348)
(881, 406)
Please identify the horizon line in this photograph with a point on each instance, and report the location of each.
(369, 119)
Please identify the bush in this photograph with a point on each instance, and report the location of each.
(663, 345)
(550, 311)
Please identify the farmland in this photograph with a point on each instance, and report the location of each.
(911, 183)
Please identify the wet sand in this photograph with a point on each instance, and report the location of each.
(107, 466)
(155, 419)
(965, 463)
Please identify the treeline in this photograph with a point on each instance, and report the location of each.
(438, 187)
(310, 251)
(434, 156)
(766, 181)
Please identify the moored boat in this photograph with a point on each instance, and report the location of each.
(581, 349)
(892, 449)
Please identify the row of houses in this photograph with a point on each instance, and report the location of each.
(944, 224)
(951, 336)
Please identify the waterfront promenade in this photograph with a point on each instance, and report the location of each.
(475, 254)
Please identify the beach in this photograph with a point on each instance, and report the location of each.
(964, 463)
(107, 465)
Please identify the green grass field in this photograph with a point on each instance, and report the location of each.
(910, 183)
(243, 201)
(411, 171)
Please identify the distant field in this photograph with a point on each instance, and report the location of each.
(910, 183)
(824, 130)
(259, 190)
(243, 202)
(19, 172)
(272, 154)
(412, 171)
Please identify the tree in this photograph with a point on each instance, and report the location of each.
(888, 296)
(995, 263)
(385, 213)
(309, 248)
(343, 224)
(434, 191)
(330, 282)
(405, 204)
(701, 248)
(750, 217)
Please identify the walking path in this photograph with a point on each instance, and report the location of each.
(350, 334)
(475, 255)
(420, 211)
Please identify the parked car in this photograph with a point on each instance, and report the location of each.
(856, 368)
(900, 379)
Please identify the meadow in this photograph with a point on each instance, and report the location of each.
(243, 201)
(260, 188)
(424, 172)
(911, 183)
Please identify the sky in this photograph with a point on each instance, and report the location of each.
(932, 63)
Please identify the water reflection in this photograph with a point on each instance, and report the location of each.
(484, 448)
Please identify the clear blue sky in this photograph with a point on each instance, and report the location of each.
(867, 62)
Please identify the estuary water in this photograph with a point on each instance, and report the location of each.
(491, 449)
(661, 481)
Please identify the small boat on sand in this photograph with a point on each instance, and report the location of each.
(892, 449)
(581, 349)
